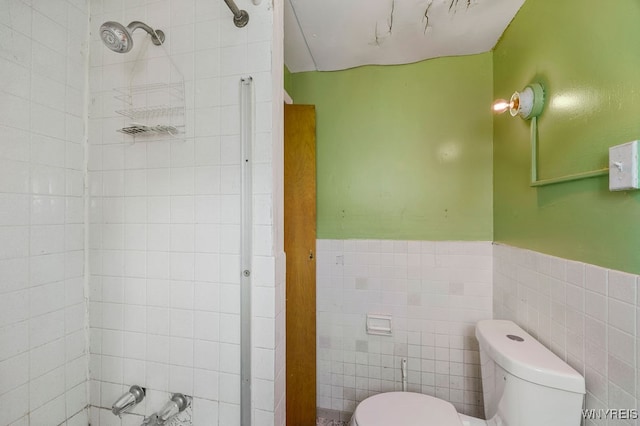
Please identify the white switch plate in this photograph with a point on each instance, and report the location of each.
(623, 166)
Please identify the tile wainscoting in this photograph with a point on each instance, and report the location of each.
(586, 314)
(435, 293)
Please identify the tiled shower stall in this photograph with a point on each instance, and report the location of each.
(120, 258)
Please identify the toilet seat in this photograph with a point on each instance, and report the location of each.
(406, 409)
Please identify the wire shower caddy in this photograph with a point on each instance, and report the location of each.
(154, 109)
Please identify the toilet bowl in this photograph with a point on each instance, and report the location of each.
(523, 383)
(408, 409)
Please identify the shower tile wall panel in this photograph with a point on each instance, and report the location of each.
(165, 217)
(435, 292)
(587, 315)
(43, 358)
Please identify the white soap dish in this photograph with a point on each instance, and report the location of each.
(379, 324)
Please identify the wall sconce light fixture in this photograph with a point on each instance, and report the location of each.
(527, 104)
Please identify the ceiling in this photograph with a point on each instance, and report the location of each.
(328, 35)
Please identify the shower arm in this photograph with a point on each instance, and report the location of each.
(157, 36)
(240, 17)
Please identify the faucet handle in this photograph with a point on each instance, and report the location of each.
(137, 392)
(134, 396)
(181, 400)
(177, 404)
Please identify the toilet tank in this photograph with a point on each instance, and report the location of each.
(524, 383)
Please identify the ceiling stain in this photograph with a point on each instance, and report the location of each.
(453, 6)
(393, 6)
(376, 40)
(426, 17)
(379, 39)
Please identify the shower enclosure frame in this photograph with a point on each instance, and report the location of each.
(246, 247)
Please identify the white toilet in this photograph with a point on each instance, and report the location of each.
(523, 383)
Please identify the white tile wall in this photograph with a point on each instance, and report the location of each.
(165, 218)
(43, 359)
(435, 292)
(588, 315)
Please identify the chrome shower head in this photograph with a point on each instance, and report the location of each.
(119, 38)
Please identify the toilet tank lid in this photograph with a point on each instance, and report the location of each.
(527, 359)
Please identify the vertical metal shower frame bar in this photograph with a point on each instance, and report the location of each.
(246, 249)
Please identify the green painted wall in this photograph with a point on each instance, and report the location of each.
(403, 152)
(587, 55)
(287, 79)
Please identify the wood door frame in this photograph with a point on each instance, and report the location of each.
(300, 249)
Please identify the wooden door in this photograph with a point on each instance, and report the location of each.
(300, 249)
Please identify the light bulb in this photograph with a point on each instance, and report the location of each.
(500, 106)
